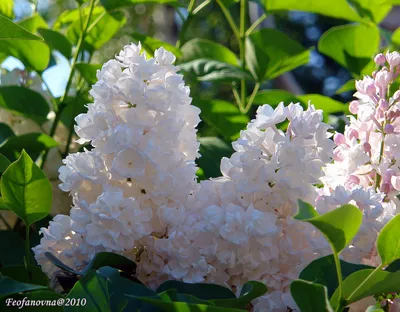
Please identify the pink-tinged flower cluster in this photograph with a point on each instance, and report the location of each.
(365, 170)
(239, 227)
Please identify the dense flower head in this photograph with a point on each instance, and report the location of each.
(239, 227)
(141, 168)
(365, 171)
(135, 191)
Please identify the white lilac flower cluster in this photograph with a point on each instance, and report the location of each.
(137, 178)
(135, 192)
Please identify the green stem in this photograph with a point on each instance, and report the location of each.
(230, 20)
(185, 24)
(201, 6)
(251, 99)
(8, 226)
(27, 253)
(340, 277)
(237, 98)
(256, 23)
(191, 6)
(242, 34)
(70, 78)
(378, 177)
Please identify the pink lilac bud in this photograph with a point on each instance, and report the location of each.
(374, 73)
(391, 115)
(393, 58)
(385, 188)
(367, 147)
(354, 179)
(383, 105)
(389, 129)
(337, 156)
(352, 133)
(366, 86)
(353, 107)
(380, 59)
(339, 139)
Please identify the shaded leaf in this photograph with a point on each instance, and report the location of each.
(26, 190)
(19, 274)
(9, 286)
(280, 55)
(111, 5)
(5, 132)
(212, 150)
(348, 86)
(10, 240)
(225, 117)
(88, 72)
(207, 49)
(56, 41)
(310, 297)
(24, 102)
(4, 163)
(210, 70)
(33, 143)
(323, 271)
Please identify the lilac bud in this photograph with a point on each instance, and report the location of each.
(352, 133)
(385, 188)
(353, 107)
(339, 139)
(367, 147)
(383, 105)
(389, 129)
(391, 115)
(354, 179)
(383, 78)
(380, 59)
(393, 58)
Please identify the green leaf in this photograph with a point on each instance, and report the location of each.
(7, 8)
(396, 37)
(207, 49)
(24, 102)
(306, 211)
(223, 116)
(69, 16)
(31, 50)
(184, 306)
(374, 309)
(12, 31)
(19, 274)
(250, 291)
(33, 143)
(352, 10)
(56, 41)
(112, 260)
(339, 226)
(352, 46)
(88, 71)
(378, 283)
(101, 33)
(280, 55)
(76, 106)
(5, 132)
(310, 297)
(3, 206)
(95, 289)
(202, 291)
(151, 44)
(26, 190)
(348, 86)
(4, 163)
(388, 242)
(11, 241)
(10, 287)
(111, 5)
(210, 70)
(323, 271)
(212, 150)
